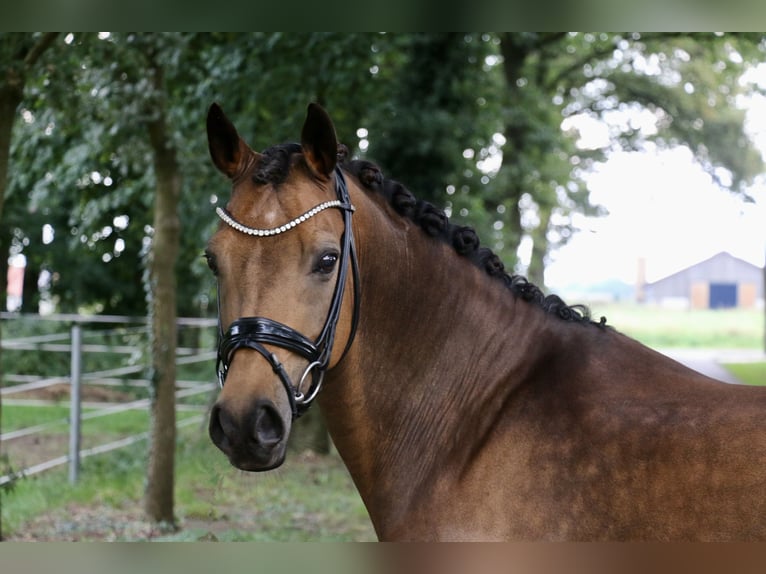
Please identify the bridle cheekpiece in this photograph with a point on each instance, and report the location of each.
(255, 332)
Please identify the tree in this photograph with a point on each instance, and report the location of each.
(122, 94)
(159, 499)
(83, 182)
(526, 86)
(439, 111)
(153, 70)
(688, 82)
(20, 54)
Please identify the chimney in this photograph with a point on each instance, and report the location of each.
(641, 280)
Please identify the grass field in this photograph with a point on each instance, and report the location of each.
(310, 498)
(125, 422)
(700, 328)
(749, 373)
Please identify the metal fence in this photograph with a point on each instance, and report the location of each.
(71, 341)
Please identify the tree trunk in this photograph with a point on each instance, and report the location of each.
(10, 98)
(536, 269)
(11, 94)
(30, 295)
(159, 499)
(520, 133)
(516, 130)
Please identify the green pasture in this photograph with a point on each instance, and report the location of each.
(310, 498)
(124, 422)
(18, 417)
(749, 373)
(699, 328)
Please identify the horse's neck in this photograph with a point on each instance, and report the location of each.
(440, 348)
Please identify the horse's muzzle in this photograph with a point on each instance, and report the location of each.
(253, 441)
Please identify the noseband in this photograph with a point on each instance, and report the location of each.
(255, 332)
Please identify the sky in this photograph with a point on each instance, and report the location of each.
(665, 209)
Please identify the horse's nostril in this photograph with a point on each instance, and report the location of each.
(256, 433)
(216, 430)
(268, 426)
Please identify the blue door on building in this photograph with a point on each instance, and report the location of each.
(723, 295)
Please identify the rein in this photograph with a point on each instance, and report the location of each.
(255, 332)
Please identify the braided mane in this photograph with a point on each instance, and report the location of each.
(275, 165)
(464, 240)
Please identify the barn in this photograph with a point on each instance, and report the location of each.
(721, 282)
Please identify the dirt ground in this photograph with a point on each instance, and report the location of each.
(82, 523)
(60, 393)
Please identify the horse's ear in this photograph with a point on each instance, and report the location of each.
(230, 153)
(320, 145)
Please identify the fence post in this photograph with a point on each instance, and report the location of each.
(74, 408)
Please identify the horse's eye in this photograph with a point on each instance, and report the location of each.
(326, 263)
(210, 258)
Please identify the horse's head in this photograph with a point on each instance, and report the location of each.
(280, 255)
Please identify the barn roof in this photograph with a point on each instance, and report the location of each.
(721, 267)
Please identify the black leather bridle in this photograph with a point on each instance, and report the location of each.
(255, 332)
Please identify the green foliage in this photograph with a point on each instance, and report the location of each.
(687, 84)
(690, 83)
(438, 108)
(432, 109)
(748, 373)
(21, 362)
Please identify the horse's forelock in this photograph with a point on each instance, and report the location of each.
(274, 164)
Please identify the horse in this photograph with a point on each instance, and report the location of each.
(465, 403)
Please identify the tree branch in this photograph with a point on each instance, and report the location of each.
(37, 50)
(576, 67)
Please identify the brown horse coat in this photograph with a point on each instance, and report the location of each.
(462, 411)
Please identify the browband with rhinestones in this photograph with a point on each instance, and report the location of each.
(229, 220)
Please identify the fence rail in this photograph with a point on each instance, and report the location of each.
(110, 319)
(71, 342)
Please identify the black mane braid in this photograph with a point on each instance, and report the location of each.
(274, 166)
(464, 240)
